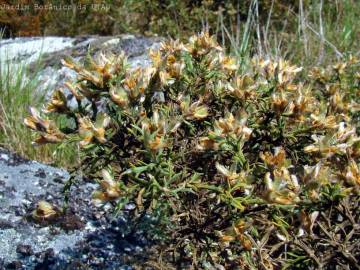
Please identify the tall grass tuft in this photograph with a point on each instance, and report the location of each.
(17, 93)
(316, 32)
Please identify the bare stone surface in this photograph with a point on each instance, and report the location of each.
(87, 234)
(29, 52)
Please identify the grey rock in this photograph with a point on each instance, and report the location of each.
(93, 236)
(20, 52)
(19, 192)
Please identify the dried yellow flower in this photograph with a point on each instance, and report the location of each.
(110, 189)
(274, 160)
(57, 102)
(119, 96)
(89, 130)
(44, 211)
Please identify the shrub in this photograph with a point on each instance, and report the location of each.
(234, 168)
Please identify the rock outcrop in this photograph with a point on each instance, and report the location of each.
(43, 55)
(86, 237)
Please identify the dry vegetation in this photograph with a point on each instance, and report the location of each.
(243, 159)
(240, 170)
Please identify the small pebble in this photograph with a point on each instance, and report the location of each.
(5, 224)
(14, 265)
(24, 250)
(71, 222)
(130, 206)
(26, 202)
(4, 157)
(40, 173)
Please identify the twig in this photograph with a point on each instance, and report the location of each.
(308, 251)
(321, 33)
(338, 53)
(258, 29)
(303, 28)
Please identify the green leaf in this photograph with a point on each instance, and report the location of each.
(201, 112)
